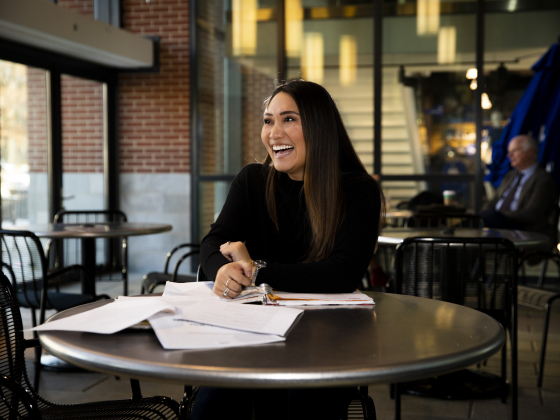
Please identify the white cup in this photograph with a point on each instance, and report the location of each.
(449, 197)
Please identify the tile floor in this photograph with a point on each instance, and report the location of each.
(534, 403)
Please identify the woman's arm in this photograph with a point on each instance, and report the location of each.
(231, 226)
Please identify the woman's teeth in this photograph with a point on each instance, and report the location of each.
(280, 148)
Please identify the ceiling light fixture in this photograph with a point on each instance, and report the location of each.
(348, 56)
(472, 73)
(485, 101)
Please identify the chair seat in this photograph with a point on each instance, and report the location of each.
(151, 280)
(534, 297)
(145, 408)
(58, 301)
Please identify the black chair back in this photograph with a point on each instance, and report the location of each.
(445, 220)
(112, 253)
(13, 372)
(11, 352)
(479, 273)
(18, 400)
(23, 261)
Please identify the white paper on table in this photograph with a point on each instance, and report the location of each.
(110, 318)
(200, 290)
(252, 318)
(174, 333)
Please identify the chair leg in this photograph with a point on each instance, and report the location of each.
(368, 404)
(184, 403)
(543, 344)
(136, 392)
(37, 375)
(542, 275)
(125, 282)
(514, 384)
(38, 353)
(504, 373)
(397, 392)
(371, 408)
(124, 246)
(523, 274)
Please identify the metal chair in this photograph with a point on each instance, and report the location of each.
(549, 253)
(445, 220)
(478, 273)
(154, 279)
(23, 261)
(19, 400)
(68, 251)
(538, 297)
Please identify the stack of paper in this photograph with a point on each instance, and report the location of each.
(264, 293)
(296, 299)
(198, 320)
(192, 316)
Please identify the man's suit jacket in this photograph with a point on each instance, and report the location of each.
(537, 200)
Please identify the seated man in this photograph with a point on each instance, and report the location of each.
(527, 195)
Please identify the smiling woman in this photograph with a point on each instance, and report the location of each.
(309, 215)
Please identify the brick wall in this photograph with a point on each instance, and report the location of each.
(210, 106)
(84, 7)
(256, 87)
(82, 125)
(154, 109)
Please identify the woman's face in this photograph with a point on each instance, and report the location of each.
(282, 136)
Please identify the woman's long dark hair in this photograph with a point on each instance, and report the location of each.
(329, 153)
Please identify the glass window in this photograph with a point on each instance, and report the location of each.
(428, 103)
(24, 144)
(212, 198)
(333, 46)
(83, 132)
(236, 70)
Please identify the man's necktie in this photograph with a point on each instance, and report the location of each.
(508, 199)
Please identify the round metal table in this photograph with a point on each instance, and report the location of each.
(95, 230)
(88, 232)
(399, 338)
(520, 238)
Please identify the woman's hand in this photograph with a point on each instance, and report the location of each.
(235, 251)
(231, 278)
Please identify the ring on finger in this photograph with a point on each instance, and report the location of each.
(228, 242)
(226, 292)
(228, 281)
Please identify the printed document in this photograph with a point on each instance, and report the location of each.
(174, 332)
(110, 318)
(252, 318)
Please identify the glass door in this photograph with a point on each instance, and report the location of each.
(24, 133)
(83, 133)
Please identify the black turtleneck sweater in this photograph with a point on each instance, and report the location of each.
(245, 218)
